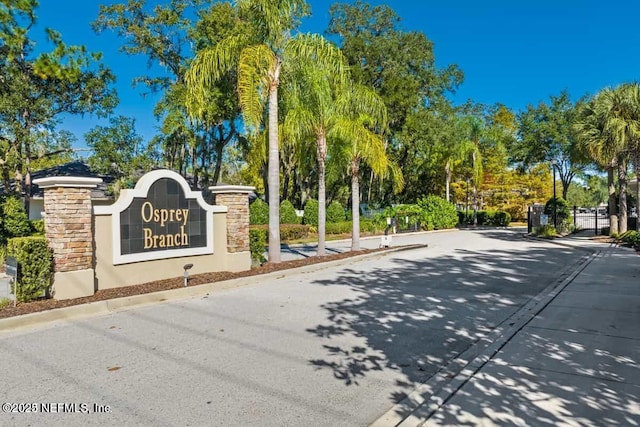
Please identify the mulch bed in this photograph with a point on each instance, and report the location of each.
(174, 283)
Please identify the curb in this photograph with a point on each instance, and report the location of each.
(104, 307)
(428, 397)
(378, 236)
(564, 244)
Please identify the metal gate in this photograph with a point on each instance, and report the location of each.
(594, 219)
(590, 218)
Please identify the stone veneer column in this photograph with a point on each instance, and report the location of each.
(68, 227)
(236, 199)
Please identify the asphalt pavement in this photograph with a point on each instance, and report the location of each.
(575, 362)
(406, 337)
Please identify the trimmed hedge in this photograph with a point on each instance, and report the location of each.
(342, 227)
(287, 231)
(335, 212)
(486, 218)
(35, 264)
(257, 243)
(310, 216)
(258, 212)
(288, 213)
(15, 221)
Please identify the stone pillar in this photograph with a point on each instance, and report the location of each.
(69, 229)
(236, 199)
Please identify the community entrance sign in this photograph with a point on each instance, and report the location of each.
(160, 218)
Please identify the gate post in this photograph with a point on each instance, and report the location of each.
(68, 226)
(529, 220)
(575, 224)
(236, 199)
(596, 220)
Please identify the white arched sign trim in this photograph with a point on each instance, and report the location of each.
(141, 190)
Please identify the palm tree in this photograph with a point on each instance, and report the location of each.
(624, 126)
(473, 134)
(633, 92)
(315, 98)
(260, 56)
(592, 134)
(456, 151)
(362, 110)
(608, 127)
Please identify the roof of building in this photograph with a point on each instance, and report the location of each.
(77, 168)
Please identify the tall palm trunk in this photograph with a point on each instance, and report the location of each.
(355, 205)
(322, 203)
(447, 171)
(274, 171)
(475, 191)
(613, 207)
(637, 198)
(622, 201)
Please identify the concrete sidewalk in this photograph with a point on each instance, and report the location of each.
(575, 362)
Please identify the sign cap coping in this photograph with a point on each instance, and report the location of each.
(67, 181)
(226, 189)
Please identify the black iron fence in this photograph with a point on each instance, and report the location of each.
(583, 218)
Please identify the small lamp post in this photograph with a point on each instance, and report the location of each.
(555, 215)
(187, 267)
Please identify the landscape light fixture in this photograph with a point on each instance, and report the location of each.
(187, 267)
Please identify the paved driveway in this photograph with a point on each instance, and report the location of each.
(339, 346)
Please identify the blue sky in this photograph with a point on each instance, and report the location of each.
(513, 52)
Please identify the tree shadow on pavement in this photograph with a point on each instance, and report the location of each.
(420, 313)
(567, 381)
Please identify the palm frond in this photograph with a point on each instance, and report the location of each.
(255, 75)
(207, 68)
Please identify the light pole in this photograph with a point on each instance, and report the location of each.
(555, 215)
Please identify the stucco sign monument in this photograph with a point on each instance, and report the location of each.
(160, 218)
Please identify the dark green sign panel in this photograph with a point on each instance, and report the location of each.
(163, 220)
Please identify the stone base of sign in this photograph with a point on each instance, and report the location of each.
(73, 284)
(110, 276)
(239, 261)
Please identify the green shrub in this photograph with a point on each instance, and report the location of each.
(546, 231)
(35, 262)
(485, 218)
(437, 213)
(310, 216)
(258, 212)
(37, 227)
(3, 253)
(489, 218)
(287, 231)
(335, 212)
(257, 243)
(371, 225)
(288, 213)
(408, 215)
(562, 210)
(15, 221)
(502, 219)
(294, 232)
(5, 302)
(631, 238)
(342, 227)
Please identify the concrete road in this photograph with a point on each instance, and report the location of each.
(339, 346)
